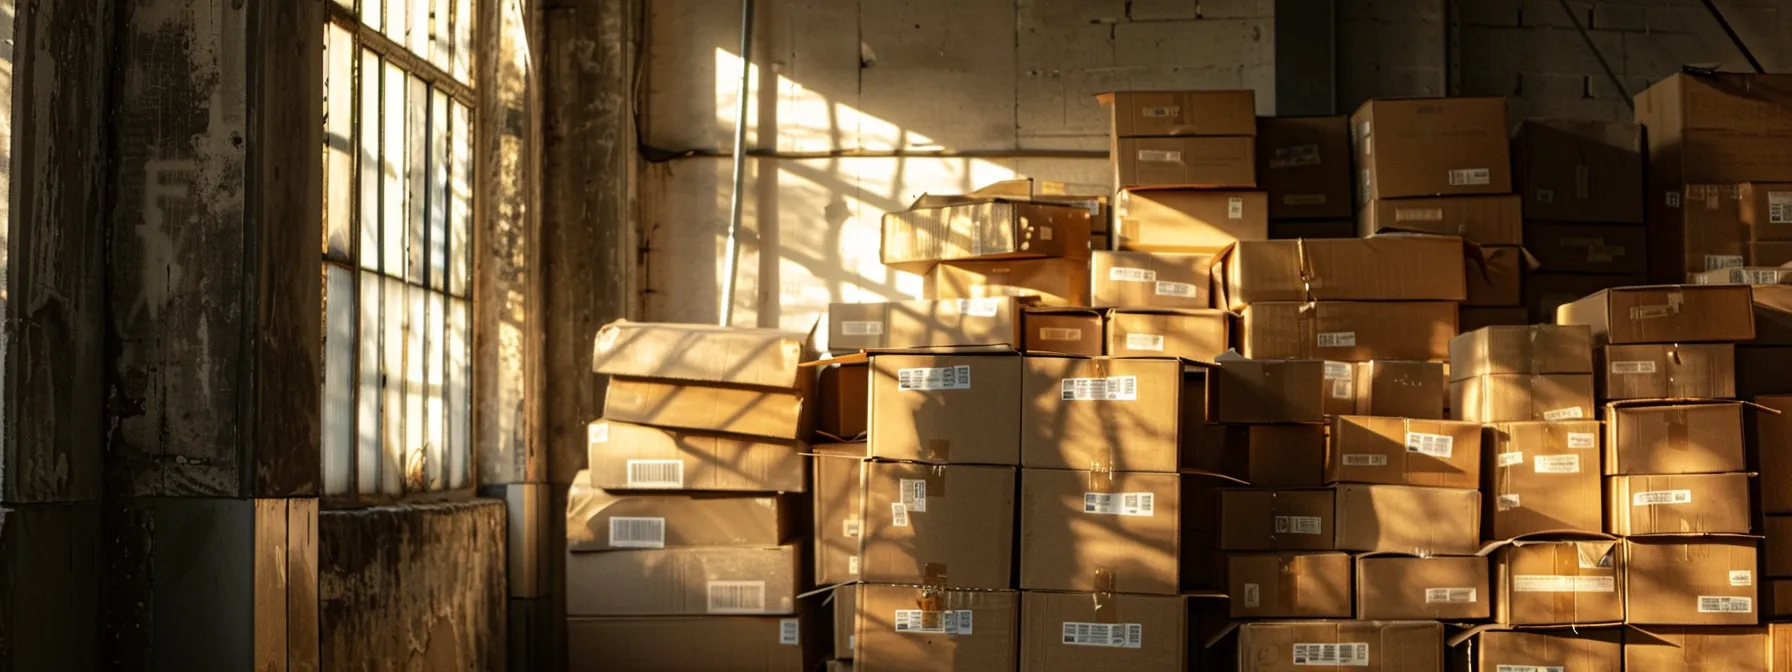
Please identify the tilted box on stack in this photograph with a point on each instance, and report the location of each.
(1581, 182)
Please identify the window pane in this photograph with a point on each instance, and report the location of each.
(339, 140)
(339, 379)
(458, 386)
(414, 394)
(441, 31)
(393, 164)
(370, 159)
(437, 237)
(436, 437)
(368, 392)
(392, 415)
(418, 39)
(460, 218)
(463, 40)
(398, 19)
(372, 13)
(416, 180)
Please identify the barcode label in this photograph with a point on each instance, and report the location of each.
(1741, 578)
(1569, 413)
(637, 532)
(1559, 583)
(852, 565)
(862, 328)
(1151, 342)
(1343, 389)
(1060, 334)
(1556, 464)
(1365, 460)
(1337, 371)
(1112, 635)
(1651, 312)
(1463, 177)
(1234, 208)
(1546, 195)
(736, 597)
(913, 494)
(1714, 604)
(986, 307)
(1128, 274)
(788, 634)
(1160, 155)
(1337, 339)
(1354, 654)
(658, 474)
(1655, 497)
(598, 433)
(1717, 261)
(1530, 668)
(1418, 214)
(849, 528)
(1157, 112)
(1435, 445)
(1295, 156)
(1583, 440)
(1253, 595)
(898, 514)
(1297, 524)
(1779, 207)
(1119, 503)
(1116, 388)
(1182, 289)
(1633, 368)
(1449, 595)
(1508, 502)
(934, 378)
(1509, 459)
(1762, 276)
(953, 622)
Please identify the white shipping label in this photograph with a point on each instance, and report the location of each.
(862, 328)
(1353, 654)
(1128, 274)
(1465, 177)
(1151, 342)
(1673, 199)
(1343, 389)
(1418, 214)
(637, 532)
(898, 514)
(1449, 595)
(1717, 604)
(1779, 207)
(852, 565)
(1365, 460)
(1060, 334)
(953, 622)
(1508, 502)
(1716, 261)
(1652, 312)
(1182, 289)
(1337, 371)
(1583, 440)
(788, 634)
(1560, 583)
(849, 528)
(736, 597)
(1633, 367)
(1337, 339)
(1045, 233)
(598, 433)
(934, 378)
(1569, 413)
(1165, 111)
(1234, 208)
(1556, 464)
(986, 307)
(656, 474)
(1762, 276)
(913, 494)
(1119, 503)
(1297, 524)
(1253, 595)
(852, 642)
(1160, 155)
(1111, 635)
(1435, 445)
(1115, 388)
(1741, 578)
(1530, 668)
(1509, 459)
(1655, 497)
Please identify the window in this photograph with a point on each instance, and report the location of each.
(397, 248)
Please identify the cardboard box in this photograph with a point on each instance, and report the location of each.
(1495, 277)
(1119, 414)
(597, 520)
(1576, 247)
(1744, 275)
(843, 400)
(1383, 268)
(1401, 389)
(1695, 228)
(1190, 333)
(1431, 147)
(1290, 229)
(1067, 632)
(1203, 564)
(681, 581)
(1188, 220)
(839, 503)
(1399, 451)
(1395, 588)
(946, 408)
(1470, 318)
(1693, 580)
(1717, 127)
(1289, 585)
(846, 619)
(1221, 162)
(1665, 314)
(700, 353)
(1766, 210)
(1151, 280)
(950, 525)
(1559, 583)
(1270, 456)
(986, 229)
(1687, 437)
(1778, 603)
(659, 644)
(1780, 636)
(1773, 314)
(1298, 646)
(1541, 477)
(1776, 546)
(1769, 253)
(1691, 371)
(1669, 648)
(1771, 436)
(1051, 282)
(767, 412)
(1545, 293)
(1385, 518)
(1304, 164)
(1349, 331)
(921, 324)
(1518, 397)
(1144, 114)
(1579, 169)
(1278, 520)
(1763, 371)
(625, 456)
(1482, 220)
(1069, 331)
(1266, 391)
(911, 628)
(1535, 651)
(1110, 531)
(1678, 504)
(1539, 348)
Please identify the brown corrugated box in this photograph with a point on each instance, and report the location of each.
(1278, 520)
(1052, 282)
(1227, 162)
(1289, 585)
(700, 353)
(1768, 253)
(1304, 164)
(1773, 314)
(983, 228)
(1778, 602)
(1718, 127)
(1274, 456)
(1495, 277)
(1665, 314)
(1162, 113)
(1070, 331)
(1188, 220)
(1690, 371)
(903, 627)
(1290, 229)
(1776, 546)
(1559, 582)
(1349, 331)
(673, 581)
(1383, 268)
(1695, 228)
(662, 644)
(1100, 531)
(946, 408)
(1678, 504)
(842, 400)
(1203, 565)
(1470, 318)
(1763, 370)
(1780, 636)
(625, 456)
(1685, 437)
(1771, 436)
(1669, 648)
(1579, 169)
(1190, 333)
(1745, 275)
(1399, 451)
(1072, 632)
(1396, 588)
(1483, 220)
(918, 324)
(1266, 391)
(846, 619)
(1431, 147)
(1767, 210)
(839, 501)
(1401, 389)
(1544, 293)
(1372, 646)
(1690, 580)
(1532, 651)
(756, 411)
(1151, 280)
(1116, 414)
(597, 520)
(949, 525)
(1518, 397)
(1540, 348)
(1541, 477)
(1384, 518)
(1577, 247)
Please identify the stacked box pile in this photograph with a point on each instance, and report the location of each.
(1581, 183)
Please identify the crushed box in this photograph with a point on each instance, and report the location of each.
(948, 525)
(1441, 588)
(1382, 268)
(1559, 582)
(946, 408)
(683, 581)
(1304, 164)
(1678, 504)
(1071, 632)
(1188, 220)
(1667, 371)
(1482, 220)
(1050, 282)
(1513, 397)
(1684, 437)
(1690, 580)
(626, 456)
(700, 353)
(1431, 147)
(1579, 169)
(1374, 646)
(1188, 161)
(1069, 331)
(1584, 247)
(1665, 314)
(1189, 333)
(1542, 477)
(1289, 585)
(1110, 414)
(1349, 331)
(1088, 531)
(1400, 451)
(909, 627)
(1151, 280)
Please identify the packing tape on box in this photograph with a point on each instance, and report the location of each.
(935, 478)
(939, 450)
(1101, 480)
(933, 588)
(1104, 592)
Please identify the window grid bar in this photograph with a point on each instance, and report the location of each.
(377, 42)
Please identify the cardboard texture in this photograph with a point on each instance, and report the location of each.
(1278, 520)
(1692, 437)
(680, 581)
(1519, 397)
(1763, 371)
(1559, 583)
(1399, 451)
(1621, 249)
(1143, 114)
(839, 503)
(660, 644)
(1541, 477)
(1766, 210)
(1579, 170)
(1541, 348)
(1401, 389)
(905, 627)
(626, 456)
(1199, 334)
(1069, 331)
(1091, 531)
(1052, 282)
(1780, 636)
(766, 412)
(1290, 229)
(1691, 371)
(1670, 648)
(1151, 280)
(1778, 602)
(989, 228)
(919, 324)
(1349, 331)
(597, 520)
(1773, 314)
(1692, 580)
(843, 400)
(1665, 314)
(1066, 632)
(699, 353)
(1268, 391)
(846, 619)
(1110, 414)
(946, 525)
(1768, 253)
(1695, 228)
(1270, 456)
(1718, 127)
(1596, 650)
(1453, 589)
(1387, 519)
(1545, 293)
(946, 408)
(1304, 164)
(1495, 277)
(1203, 565)
(1383, 268)
(1482, 220)
(1223, 162)
(1678, 504)
(1370, 646)
(1431, 147)
(1188, 220)
(1470, 318)
(1289, 585)
(1776, 546)
(1744, 275)
(1771, 435)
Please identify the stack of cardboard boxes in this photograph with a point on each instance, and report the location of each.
(1581, 182)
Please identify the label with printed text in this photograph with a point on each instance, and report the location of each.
(1150, 342)
(1655, 497)
(1560, 583)
(1651, 312)
(1449, 595)
(1364, 460)
(1181, 289)
(637, 532)
(1556, 464)
(934, 378)
(598, 433)
(862, 328)
(1718, 604)
(952, 622)
(849, 528)
(1435, 445)
(1583, 440)
(1160, 112)
(1569, 413)
(912, 492)
(1253, 595)
(736, 597)
(1349, 654)
(1129, 274)
(656, 474)
(1111, 635)
(1509, 459)
(1160, 155)
(1530, 668)
(1119, 503)
(1337, 339)
(1779, 207)
(1297, 524)
(1468, 177)
(1716, 261)
(1113, 388)
(1343, 389)
(1508, 502)
(898, 514)
(1741, 578)
(1234, 208)
(985, 307)
(1633, 367)
(788, 634)
(1338, 371)
(1060, 334)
